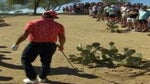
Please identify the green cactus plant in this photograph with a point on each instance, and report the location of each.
(95, 53)
(113, 27)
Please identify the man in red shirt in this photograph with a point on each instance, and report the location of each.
(42, 34)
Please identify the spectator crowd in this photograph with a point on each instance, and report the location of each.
(135, 17)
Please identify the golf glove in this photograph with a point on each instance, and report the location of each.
(14, 47)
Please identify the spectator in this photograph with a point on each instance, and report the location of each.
(131, 17)
(143, 19)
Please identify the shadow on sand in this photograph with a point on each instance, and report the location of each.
(3, 78)
(59, 70)
(54, 71)
(4, 24)
(145, 69)
(3, 46)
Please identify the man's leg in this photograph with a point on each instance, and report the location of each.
(46, 57)
(29, 55)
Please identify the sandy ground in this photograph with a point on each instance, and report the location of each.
(79, 30)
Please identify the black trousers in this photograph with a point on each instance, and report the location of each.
(30, 53)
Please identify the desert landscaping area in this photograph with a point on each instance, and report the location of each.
(79, 29)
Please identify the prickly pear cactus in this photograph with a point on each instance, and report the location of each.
(113, 27)
(75, 59)
(96, 45)
(132, 61)
(129, 52)
(95, 53)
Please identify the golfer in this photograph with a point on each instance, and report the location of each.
(42, 34)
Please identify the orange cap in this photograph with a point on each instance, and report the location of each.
(51, 13)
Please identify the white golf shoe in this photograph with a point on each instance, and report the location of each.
(30, 81)
(42, 80)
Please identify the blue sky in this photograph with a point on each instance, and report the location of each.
(147, 2)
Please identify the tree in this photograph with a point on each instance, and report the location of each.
(36, 4)
(46, 4)
(7, 7)
(2, 6)
(53, 4)
(15, 5)
(12, 2)
(24, 2)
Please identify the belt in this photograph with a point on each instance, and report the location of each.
(42, 42)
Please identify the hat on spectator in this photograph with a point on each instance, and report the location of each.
(51, 13)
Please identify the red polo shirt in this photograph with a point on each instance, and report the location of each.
(44, 30)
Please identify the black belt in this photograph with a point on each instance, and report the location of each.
(42, 42)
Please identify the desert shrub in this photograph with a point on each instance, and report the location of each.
(95, 53)
(113, 27)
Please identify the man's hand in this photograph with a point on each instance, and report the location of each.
(61, 48)
(14, 47)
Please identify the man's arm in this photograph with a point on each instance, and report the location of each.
(20, 40)
(62, 40)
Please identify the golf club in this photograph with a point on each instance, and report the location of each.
(68, 60)
(75, 69)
